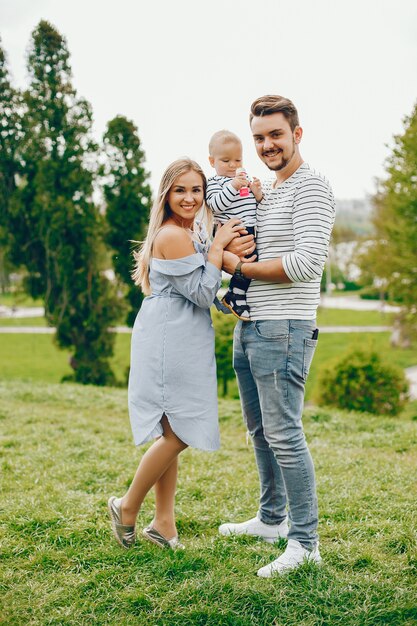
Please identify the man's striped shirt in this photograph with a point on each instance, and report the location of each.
(294, 222)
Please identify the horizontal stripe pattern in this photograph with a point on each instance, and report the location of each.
(294, 222)
(226, 203)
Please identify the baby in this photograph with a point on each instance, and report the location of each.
(230, 195)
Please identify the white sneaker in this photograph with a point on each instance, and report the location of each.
(256, 528)
(294, 556)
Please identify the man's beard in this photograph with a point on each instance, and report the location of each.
(284, 161)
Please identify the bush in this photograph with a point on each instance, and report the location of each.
(224, 326)
(350, 285)
(360, 381)
(373, 293)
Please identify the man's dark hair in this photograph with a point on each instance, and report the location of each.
(266, 105)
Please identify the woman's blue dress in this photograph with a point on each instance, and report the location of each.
(173, 367)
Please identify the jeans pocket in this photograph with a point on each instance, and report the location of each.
(309, 349)
(271, 330)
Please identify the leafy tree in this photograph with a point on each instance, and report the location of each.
(332, 273)
(343, 232)
(57, 227)
(224, 326)
(392, 256)
(128, 198)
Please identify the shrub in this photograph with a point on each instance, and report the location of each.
(360, 381)
(224, 326)
(373, 293)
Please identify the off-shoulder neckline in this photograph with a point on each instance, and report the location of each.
(182, 258)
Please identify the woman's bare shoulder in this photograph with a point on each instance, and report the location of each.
(172, 242)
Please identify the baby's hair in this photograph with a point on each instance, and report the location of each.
(222, 137)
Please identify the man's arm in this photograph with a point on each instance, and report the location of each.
(313, 218)
(270, 271)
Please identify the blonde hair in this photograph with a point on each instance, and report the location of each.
(222, 137)
(160, 212)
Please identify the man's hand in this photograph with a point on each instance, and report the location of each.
(242, 246)
(230, 261)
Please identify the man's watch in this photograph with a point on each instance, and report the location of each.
(238, 270)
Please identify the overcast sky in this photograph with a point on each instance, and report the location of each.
(183, 69)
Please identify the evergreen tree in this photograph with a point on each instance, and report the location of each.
(392, 256)
(59, 225)
(128, 198)
(224, 326)
(11, 133)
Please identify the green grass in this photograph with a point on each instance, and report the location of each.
(19, 299)
(325, 317)
(66, 448)
(347, 317)
(34, 357)
(23, 321)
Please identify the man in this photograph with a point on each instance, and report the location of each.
(273, 352)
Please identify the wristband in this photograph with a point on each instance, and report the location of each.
(238, 270)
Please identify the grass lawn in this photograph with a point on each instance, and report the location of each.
(19, 299)
(65, 449)
(347, 317)
(325, 317)
(23, 321)
(33, 357)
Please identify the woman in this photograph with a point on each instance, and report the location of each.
(172, 384)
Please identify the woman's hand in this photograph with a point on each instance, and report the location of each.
(226, 233)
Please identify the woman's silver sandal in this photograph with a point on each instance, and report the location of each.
(124, 535)
(153, 535)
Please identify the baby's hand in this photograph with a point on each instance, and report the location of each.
(240, 181)
(256, 188)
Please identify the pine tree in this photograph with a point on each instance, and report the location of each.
(128, 198)
(60, 226)
(11, 134)
(392, 256)
(224, 327)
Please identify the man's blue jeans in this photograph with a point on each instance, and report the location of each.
(272, 359)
